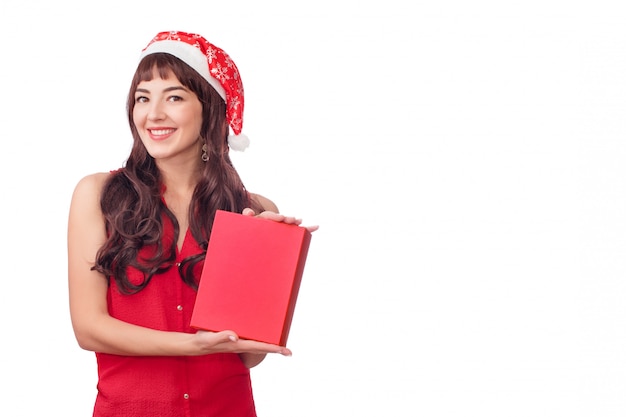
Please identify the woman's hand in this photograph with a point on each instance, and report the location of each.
(277, 217)
(227, 341)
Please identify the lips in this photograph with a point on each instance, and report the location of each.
(160, 133)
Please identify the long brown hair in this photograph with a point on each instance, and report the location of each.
(131, 198)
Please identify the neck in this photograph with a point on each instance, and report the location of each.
(179, 178)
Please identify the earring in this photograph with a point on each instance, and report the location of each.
(205, 156)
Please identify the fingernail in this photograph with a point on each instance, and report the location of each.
(232, 338)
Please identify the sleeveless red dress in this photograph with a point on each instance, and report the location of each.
(189, 386)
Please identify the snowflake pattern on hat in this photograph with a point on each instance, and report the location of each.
(215, 65)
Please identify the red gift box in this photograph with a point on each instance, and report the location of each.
(251, 277)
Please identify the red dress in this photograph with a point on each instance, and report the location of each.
(189, 386)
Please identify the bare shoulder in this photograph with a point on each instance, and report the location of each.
(86, 196)
(90, 185)
(86, 224)
(94, 180)
(266, 203)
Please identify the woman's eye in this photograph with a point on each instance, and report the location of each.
(175, 98)
(141, 99)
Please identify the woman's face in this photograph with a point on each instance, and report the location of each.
(168, 118)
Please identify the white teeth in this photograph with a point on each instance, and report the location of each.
(161, 131)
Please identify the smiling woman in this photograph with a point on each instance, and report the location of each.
(138, 236)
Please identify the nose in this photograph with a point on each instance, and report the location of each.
(155, 111)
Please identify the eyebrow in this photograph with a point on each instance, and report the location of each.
(167, 90)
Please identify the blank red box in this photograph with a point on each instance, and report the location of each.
(251, 277)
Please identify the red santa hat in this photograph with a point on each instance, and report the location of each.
(215, 66)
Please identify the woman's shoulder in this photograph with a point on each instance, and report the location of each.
(85, 203)
(93, 181)
(91, 185)
(264, 202)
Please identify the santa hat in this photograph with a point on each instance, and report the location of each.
(215, 66)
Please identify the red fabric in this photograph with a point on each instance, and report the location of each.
(130, 386)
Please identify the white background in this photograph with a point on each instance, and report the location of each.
(464, 159)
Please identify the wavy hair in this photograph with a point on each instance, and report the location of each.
(131, 199)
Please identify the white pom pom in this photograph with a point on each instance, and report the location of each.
(238, 142)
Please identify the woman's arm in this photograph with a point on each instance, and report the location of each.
(94, 328)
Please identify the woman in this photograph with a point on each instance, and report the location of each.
(137, 238)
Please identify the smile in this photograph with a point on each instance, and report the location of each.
(160, 132)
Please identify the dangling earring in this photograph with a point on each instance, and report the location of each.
(205, 156)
